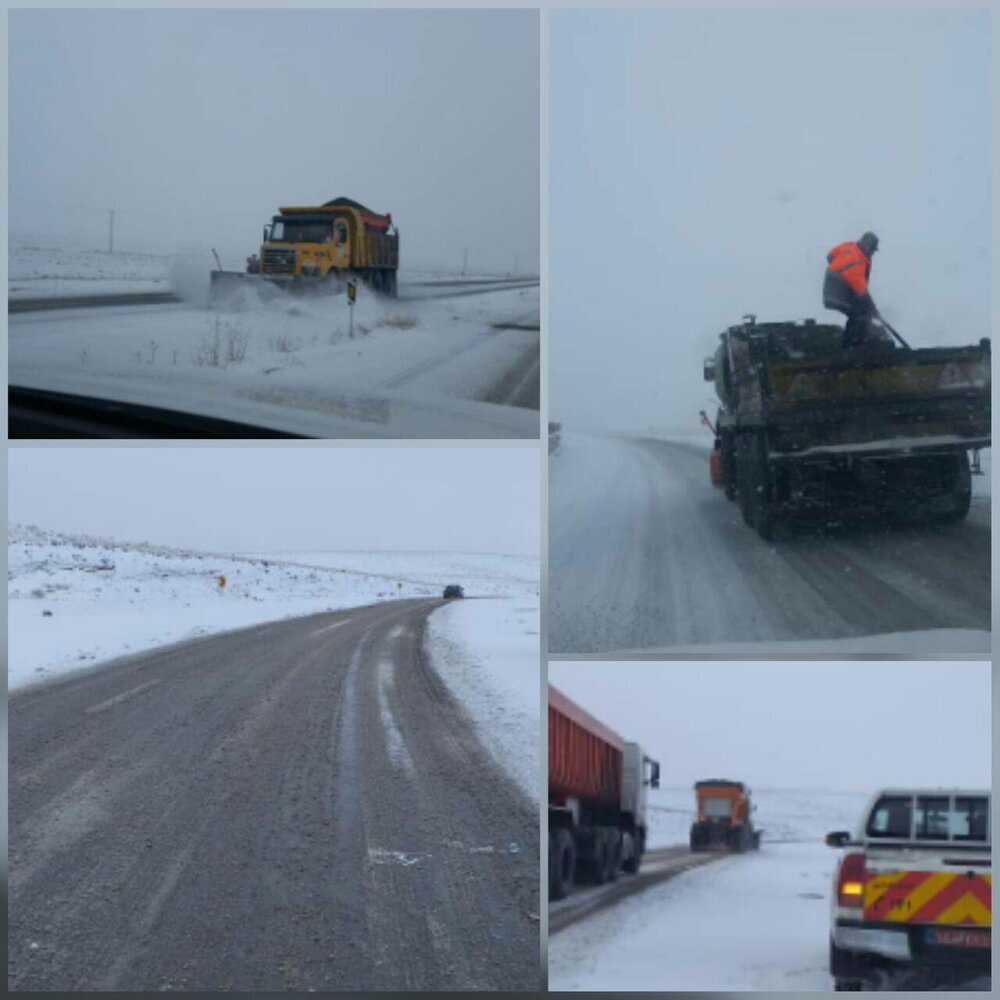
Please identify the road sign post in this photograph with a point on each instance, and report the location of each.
(352, 294)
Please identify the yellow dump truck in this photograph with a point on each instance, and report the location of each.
(318, 247)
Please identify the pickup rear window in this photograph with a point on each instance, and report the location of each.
(959, 818)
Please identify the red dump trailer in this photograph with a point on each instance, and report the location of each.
(597, 798)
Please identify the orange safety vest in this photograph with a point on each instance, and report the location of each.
(848, 261)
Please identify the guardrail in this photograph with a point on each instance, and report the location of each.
(90, 301)
(554, 436)
(658, 865)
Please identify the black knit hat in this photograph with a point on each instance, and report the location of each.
(868, 243)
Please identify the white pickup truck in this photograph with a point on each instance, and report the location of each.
(912, 892)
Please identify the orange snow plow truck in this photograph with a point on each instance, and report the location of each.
(724, 817)
(911, 903)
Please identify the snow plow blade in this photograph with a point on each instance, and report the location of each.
(227, 283)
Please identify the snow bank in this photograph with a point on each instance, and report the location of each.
(757, 921)
(487, 652)
(74, 601)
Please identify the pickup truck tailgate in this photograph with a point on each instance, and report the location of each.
(955, 899)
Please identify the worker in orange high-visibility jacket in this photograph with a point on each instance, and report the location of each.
(845, 287)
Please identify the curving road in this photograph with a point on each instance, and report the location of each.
(295, 806)
(644, 554)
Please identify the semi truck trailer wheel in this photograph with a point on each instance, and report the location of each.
(562, 863)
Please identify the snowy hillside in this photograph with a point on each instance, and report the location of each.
(74, 601)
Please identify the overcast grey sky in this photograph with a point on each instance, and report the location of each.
(262, 499)
(702, 163)
(847, 726)
(196, 125)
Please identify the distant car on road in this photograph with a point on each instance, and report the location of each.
(453, 590)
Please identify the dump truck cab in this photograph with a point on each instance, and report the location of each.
(302, 242)
(724, 819)
(911, 896)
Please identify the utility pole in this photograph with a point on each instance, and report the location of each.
(111, 230)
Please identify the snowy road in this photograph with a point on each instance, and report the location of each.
(298, 805)
(645, 554)
(755, 921)
(463, 365)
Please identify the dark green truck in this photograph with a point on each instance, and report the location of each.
(808, 429)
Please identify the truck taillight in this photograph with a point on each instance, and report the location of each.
(851, 881)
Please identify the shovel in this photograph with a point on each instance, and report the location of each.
(884, 323)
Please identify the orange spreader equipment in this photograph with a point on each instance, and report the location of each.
(715, 467)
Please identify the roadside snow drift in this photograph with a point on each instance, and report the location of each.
(487, 652)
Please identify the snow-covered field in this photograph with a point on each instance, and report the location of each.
(75, 601)
(757, 921)
(43, 271)
(419, 366)
(35, 270)
(487, 652)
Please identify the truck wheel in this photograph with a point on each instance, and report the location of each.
(763, 517)
(961, 493)
(744, 479)
(634, 859)
(844, 968)
(736, 840)
(562, 863)
(615, 852)
(697, 841)
(600, 862)
(728, 456)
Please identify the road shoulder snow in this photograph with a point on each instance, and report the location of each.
(487, 653)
